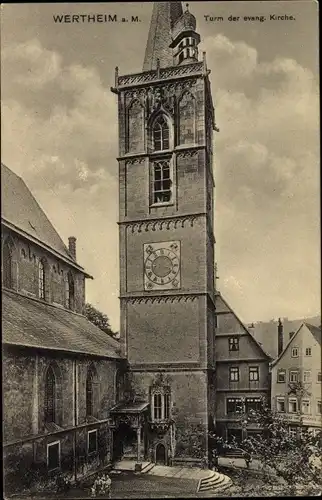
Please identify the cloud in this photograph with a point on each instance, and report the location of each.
(267, 180)
(30, 64)
(67, 156)
(59, 129)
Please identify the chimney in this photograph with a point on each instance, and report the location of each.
(280, 336)
(72, 246)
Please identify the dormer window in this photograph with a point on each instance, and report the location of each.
(161, 134)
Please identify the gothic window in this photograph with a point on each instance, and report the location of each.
(41, 279)
(50, 395)
(69, 291)
(161, 134)
(7, 264)
(157, 407)
(162, 182)
(119, 386)
(89, 393)
(187, 120)
(135, 127)
(161, 403)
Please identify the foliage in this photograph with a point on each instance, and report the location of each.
(190, 440)
(99, 319)
(293, 459)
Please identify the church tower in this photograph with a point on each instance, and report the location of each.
(167, 289)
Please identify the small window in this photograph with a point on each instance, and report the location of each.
(181, 57)
(295, 352)
(306, 406)
(23, 253)
(318, 407)
(293, 431)
(92, 441)
(292, 405)
(253, 374)
(234, 405)
(308, 351)
(307, 376)
(162, 182)
(294, 376)
(234, 374)
(281, 376)
(53, 455)
(233, 343)
(319, 379)
(280, 405)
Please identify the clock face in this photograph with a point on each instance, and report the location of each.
(162, 265)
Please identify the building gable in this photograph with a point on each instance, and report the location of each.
(229, 323)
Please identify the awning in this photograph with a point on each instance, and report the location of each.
(129, 408)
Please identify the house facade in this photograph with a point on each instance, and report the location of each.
(242, 374)
(296, 379)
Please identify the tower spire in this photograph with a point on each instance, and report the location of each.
(164, 16)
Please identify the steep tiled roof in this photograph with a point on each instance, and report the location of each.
(29, 322)
(20, 209)
(164, 15)
(316, 332)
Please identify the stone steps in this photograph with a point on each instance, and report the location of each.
(147, 468)
(215, 481)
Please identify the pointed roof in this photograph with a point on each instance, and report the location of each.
(164, 16)
(315, 331)
(21, 212)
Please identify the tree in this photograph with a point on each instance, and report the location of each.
(99, 319)
(294, 460)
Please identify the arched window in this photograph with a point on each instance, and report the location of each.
(161, 134)
(7, 264)
(89, 393)
(50, 396)
(69, 291)
(41, 279)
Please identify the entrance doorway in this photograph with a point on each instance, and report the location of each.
(160, 455)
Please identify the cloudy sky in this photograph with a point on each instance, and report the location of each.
(59, 132)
